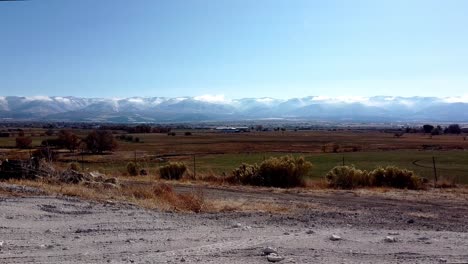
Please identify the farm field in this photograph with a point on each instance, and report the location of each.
(219, 153)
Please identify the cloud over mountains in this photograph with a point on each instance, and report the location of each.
(218, 108)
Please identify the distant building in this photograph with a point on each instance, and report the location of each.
(227, 129)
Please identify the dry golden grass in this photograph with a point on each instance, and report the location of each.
(161, 196)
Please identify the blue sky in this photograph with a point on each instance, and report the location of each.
(236, 48)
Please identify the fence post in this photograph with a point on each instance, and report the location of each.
(435, 172)
(194, 168)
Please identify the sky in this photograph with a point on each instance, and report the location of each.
(234, 48)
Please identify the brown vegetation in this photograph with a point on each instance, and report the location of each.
(172, 171)
(283, 172)
(348, 177)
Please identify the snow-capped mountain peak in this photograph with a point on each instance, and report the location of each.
(217, 107)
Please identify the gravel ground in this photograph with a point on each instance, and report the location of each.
(44, 229)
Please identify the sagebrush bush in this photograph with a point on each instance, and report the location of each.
(392, 176)
(283, 172)
(132, 169)
(348, 177)
(245, 174)
(74, 166)
(172, 171)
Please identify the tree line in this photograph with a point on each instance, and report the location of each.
(97, 141)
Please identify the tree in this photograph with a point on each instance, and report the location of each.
(68, 140)
(428, 128)
(23, 142)
(49, 132)
(99, 141)
(453, 129)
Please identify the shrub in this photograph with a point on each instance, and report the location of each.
(331, 147)
(132, 168)
(45, 153)
(188, 133)
(283, 172)
(172, 171)
(74, 166)
(23, 142)
(171, 133)
(347, 177)
(392, 176)
(246, 174)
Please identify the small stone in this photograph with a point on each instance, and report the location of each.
(2, 243)
(274, 258)
(269, 250)
(310, 232)
(182, 260)
(390, 239)
(410, 221)
(237, 225)
(48, 231)
(42, 246)
(393, 233)
(335, 238)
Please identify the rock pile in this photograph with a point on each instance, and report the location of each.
(93, 179)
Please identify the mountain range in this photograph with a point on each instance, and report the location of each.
(217, 108)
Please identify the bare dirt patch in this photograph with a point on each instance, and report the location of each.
(59, 229)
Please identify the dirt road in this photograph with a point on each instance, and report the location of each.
(426, 228)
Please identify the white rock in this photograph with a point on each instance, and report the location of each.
(274, 258)
(1, 243)
(335, 238)
(269, 250)
(390, 239)
(237, 225)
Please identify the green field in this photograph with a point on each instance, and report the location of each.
(220, 153)
(450, 164)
